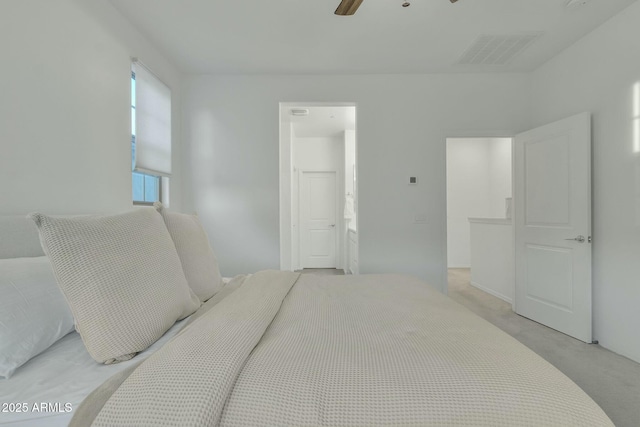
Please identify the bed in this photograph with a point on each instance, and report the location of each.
(279, 348)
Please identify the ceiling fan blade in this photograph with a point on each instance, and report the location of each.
(348, 7)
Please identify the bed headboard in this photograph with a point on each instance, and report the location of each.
(19, 237)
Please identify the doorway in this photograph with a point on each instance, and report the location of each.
(479, 226)
(318, 191)
(540, 260)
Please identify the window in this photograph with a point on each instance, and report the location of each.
(146, 188)
(636, 118)
(150, 135)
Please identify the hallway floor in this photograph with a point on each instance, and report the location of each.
(323, 271)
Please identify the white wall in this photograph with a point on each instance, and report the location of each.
(500, 175)
(231, 172)
(598, 74)
(322, 154)
(65, 129)
(478, 180)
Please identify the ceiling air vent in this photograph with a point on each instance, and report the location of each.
(496, 49)
(299, 112)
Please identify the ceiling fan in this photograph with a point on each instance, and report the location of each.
(349, 7)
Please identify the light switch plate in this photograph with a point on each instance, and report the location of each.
(420, 218)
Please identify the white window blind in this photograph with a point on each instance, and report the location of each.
(153, 123)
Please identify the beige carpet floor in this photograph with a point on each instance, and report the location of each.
(611, 380)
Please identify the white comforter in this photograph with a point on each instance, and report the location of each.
(344, 351)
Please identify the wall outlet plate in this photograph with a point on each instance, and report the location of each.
(420, 218)
(576, 3)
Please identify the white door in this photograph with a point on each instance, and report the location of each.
(552, 196)
(318, 220)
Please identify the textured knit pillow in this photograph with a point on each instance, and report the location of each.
(121, 276)
(199, 262)
(33, 312)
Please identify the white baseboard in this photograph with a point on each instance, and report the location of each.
(492, 292)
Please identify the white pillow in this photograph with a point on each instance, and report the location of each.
(33, 311)
(199, 262)
(121, 276)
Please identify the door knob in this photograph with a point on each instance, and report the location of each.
(580, 239)
(332, 225)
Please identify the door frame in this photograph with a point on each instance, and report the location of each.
(475, 134)
(487, 134)
(286, 177)
(339, 241)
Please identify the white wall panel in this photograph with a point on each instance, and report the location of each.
(403, 122)
(600, 74)
(65, 108)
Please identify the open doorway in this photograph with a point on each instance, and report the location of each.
(480, 251)
(318, 187)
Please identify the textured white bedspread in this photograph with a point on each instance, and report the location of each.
(346, 351)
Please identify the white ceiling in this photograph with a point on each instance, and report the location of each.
(304, 36)
(322, 121)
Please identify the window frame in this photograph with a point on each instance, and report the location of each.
(145, 203)
(158, 179)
